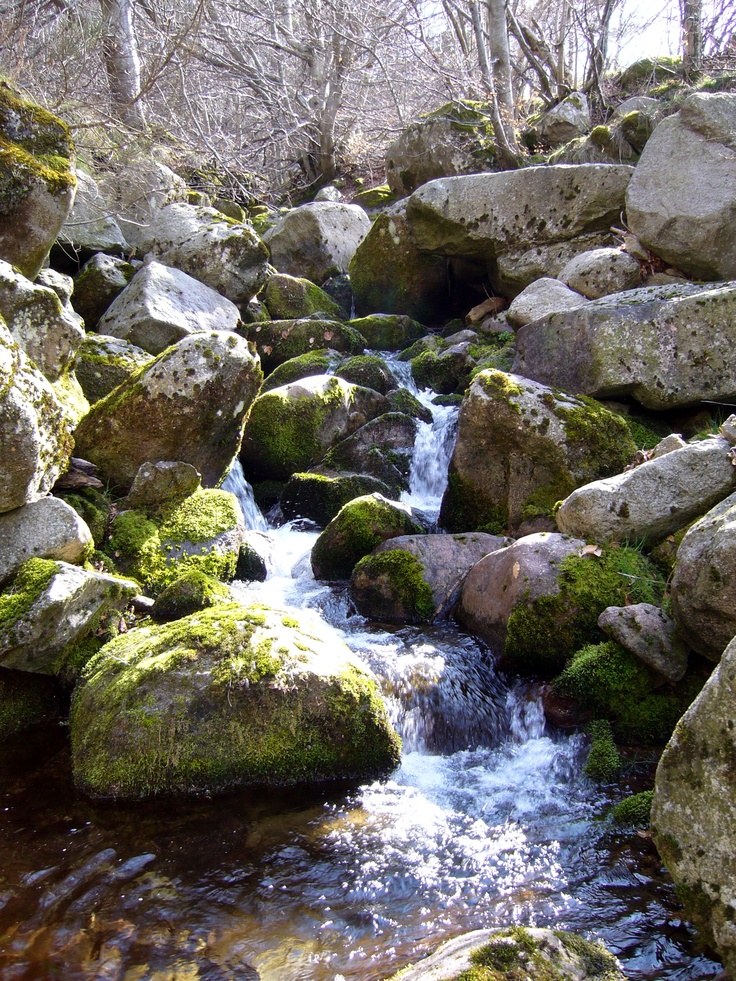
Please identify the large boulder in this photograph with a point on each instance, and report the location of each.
(565, 121)
(47, 529)
(290, 297)
(231, 696)
(693, 820)
(291, 428)
(98, 282)
(650, 635)
(665, 346)
(388, 331)
(652, 500)
(48, 332)
(521, 447)
(319, 496)
(541, 298)
(35, 443)
(704, 581)
(382, 448)
(138, 191)
(390, 275)
(317, 240)
(189, 404)
(161, 305)
(356, 530)
(416, 578)
(278, 341)
(512, 220)
(226, 255)
(680, 202)
(455, 139)
(516, 952)
(104, 362)
(48, 612)
(90, 228)
(602, 271)
(37, 181)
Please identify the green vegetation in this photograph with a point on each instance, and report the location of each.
(320, 362)
(191, 592)
(634, 810)
(391, 586)
(25, 701)
(367, 370)
(29, 584)
(603, 763)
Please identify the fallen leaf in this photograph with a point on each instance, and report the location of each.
(515, 570)
(591, 550)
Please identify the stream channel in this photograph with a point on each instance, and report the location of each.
(489, 821)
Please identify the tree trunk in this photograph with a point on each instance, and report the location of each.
(692, 36)
(122, 64)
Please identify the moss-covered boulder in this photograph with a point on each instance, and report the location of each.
(232, 696)
(35, 443)
(26, 700)
(48, 528)
(382, 448)
(104, 362)
(98, 282)
(49, 613)
(446, 371)
(319, 496)
(191, 592)
(514, 953)
(388, 331)
(521, 447)
(280, 340)
(291, 297)
(456, 138)
(189, 404)
(356, 530)
(367, 370)
(390, 275)
(37, 181)
(417, 578)
(402, 400)
(291, 428)
(321, 362)
(202, 533)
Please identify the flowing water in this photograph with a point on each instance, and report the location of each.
(489, 821)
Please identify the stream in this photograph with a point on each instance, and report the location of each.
(489, 821)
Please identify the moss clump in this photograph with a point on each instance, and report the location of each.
(190, 593)
(443, 373)
(355, 531)
(601, 435)
(320, 362)
(374, 198)
(391, 586)
(94, 508)
(367, 370)
(290, 297)
(634, 810)
(603, 763)
(401, 400)
(543, 633)
(388, 332)
(29, 584)
(230, 696)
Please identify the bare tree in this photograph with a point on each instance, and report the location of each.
(122, 62)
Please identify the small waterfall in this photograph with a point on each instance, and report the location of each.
(236, 483)
(430, 460)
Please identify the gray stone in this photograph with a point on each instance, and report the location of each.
(40, 639)
(693, 819)
(48, 333)
(35, 443)
(565, 121)
(99, 281)
(45, 529)
(540, 298)
(104, 362)
(665, 346)
(317, 240)
(329, 193)
(704, 581)
(161, 305)
(519, 574)
(680, 202)
(443, 562)
(653, 500)
(600, 272)
(91, 226)
(162, 483)
(138, 191)
(189, 404)
(650, 635)
(381, 448)
(223, 254)
(516, 270)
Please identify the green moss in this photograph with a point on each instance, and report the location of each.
(392, 585)
(634, 810)
(320, 497)
(402, 400)
(367, 370)
(603, 763)
(443, 373)
(93, 507)
(375, 197)
(29, 584)
(290, 297)
(465, 509)
(191, 592)
(543, 633)
(601, 434)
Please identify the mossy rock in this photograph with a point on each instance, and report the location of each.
(322, 362)
(648, 72)
(356, 530)
(191, 592)
(232, 696)
(37, 180)
(26, 700)
(542, 635)
(375, 198)
(291, 297)
(319, 497)
(446, 372)
(367, 370)
(394, 584)
(401, 400)
(279, 340)
(382, 448)
(387, 331)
